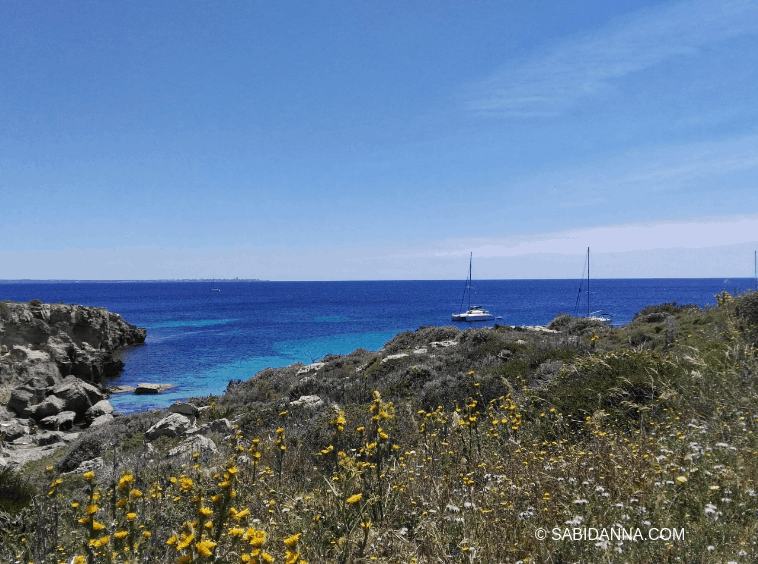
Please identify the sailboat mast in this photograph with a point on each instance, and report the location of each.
(470, 259)
(756, 268)
(588, 281)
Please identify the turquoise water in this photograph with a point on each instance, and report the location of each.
(198, 340)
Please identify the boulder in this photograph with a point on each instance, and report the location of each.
(78, 394)
(193, 444)
(102, 420)
(48, 438)
(119, 389)
(171, 426)
(145, 388)
(89, 466)
(13, 430)
(103, 407)
(311, 402)
(220, 426)
(24, 396)
(60, 422)
(51, 405)
(185, 409)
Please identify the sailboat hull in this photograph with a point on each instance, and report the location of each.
(473, 315)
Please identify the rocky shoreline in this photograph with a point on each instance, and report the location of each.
(53, 359)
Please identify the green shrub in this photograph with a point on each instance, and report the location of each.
(15, 491)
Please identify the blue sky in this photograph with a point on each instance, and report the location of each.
(377, 140)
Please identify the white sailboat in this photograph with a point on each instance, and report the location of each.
(473, 313)
(598, 315)
(213, 286)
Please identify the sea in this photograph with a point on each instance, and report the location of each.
(199, 340)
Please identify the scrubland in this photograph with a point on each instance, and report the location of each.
(450, 454)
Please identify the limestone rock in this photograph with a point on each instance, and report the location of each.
(48, 438)
(60, 422)
(193, 444)
(51, 405)
(41, 343)
(89, 466)
(394, 357)
(185, 409)
(442, 344)
(78, 394)
(171, 426)
(13, 430)
(310, 368)
(312, 402)
(145, 388)
(24, 396)
(220, 426)
(119, 389)
(103, 407)
(102, 420)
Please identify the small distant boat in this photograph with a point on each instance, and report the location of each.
(473, 313)
(598, 315)
(213, 286)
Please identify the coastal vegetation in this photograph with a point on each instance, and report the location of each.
(446, 446)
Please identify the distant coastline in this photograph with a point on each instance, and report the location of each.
(68, 281)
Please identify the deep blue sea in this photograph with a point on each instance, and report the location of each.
(198, 340)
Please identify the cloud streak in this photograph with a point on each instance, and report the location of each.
(584, 67)
(693, 234)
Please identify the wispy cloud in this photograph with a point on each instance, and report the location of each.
(692, 234)
(586, 66)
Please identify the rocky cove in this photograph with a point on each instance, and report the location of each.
(53, 360)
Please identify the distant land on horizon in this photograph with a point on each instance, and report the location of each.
(221, 280)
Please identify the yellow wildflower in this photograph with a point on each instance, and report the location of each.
(291, 541)
(354, 498)
(205, 547)
(88, 475)
(185, 542)
(241, 514)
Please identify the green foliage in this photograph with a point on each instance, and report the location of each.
(16, 492)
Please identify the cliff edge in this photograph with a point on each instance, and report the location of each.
(46, 348)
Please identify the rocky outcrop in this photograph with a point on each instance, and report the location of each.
(145, 388)
(101, 408)
(311, 402)
(54, 356)
(47, 342)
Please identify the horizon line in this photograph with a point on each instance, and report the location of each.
(211, 280)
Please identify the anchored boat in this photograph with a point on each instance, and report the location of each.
(473, 313)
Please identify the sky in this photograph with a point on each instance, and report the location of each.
(336, 140)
